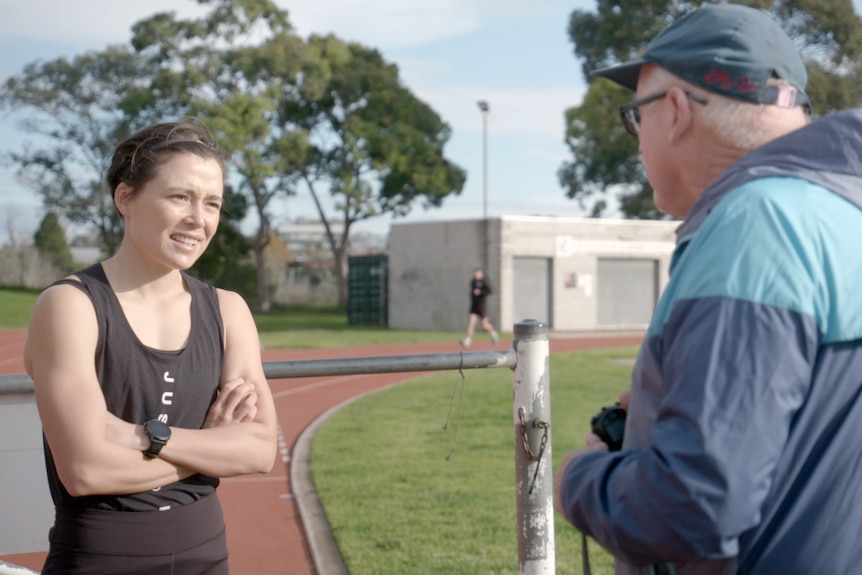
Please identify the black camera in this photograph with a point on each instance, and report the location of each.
(610, 425)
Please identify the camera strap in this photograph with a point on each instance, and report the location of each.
(585, 555)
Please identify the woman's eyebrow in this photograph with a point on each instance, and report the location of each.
(193, 192)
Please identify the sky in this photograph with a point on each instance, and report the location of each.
(514, 54)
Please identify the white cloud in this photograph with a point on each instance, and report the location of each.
(512, 110)
(93, 23)
(385, 23)
(388, 24)
(382, 23)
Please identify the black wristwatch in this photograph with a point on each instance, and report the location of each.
(159, 434)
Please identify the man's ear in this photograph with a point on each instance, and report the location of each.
(681, 120)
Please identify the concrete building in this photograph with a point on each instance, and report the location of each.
(575, 274)
(306, 239)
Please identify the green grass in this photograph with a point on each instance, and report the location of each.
(15, 306)
(398, 507)
(324, 327)
(286, 327)
(351, 336)
(323, 318)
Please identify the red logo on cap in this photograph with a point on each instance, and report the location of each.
(745, 84)
(718, 77)
(723, 79)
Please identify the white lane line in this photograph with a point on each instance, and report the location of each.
(316, 385)
(251, 479)
(282, 445)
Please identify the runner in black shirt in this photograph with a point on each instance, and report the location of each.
(479, 289)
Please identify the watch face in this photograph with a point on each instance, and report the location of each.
(157, 429)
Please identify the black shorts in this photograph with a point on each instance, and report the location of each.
(477, 307)
(188, 539)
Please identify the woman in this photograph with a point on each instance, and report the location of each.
(149, 383)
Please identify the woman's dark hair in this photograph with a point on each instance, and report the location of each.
(137, 158)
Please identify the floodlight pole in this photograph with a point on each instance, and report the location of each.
(484, 108)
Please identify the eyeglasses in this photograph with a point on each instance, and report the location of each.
(631, 114)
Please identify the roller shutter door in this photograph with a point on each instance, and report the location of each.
(532, 289)
(627, 291)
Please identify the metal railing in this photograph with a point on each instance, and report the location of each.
(531, 418)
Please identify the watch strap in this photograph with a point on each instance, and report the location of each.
(157, 441)
(155, 448)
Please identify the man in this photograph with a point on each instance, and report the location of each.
(742, 451)
(479, 290)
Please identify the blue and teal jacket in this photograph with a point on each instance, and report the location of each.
(743, 443)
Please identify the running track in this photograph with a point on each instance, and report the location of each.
(264, 529)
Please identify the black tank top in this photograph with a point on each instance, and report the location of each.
(140, 383)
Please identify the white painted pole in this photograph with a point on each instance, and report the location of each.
(533, 468)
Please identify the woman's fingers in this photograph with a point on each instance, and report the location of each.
(236, 402)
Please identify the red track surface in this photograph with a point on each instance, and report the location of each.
(265, 533)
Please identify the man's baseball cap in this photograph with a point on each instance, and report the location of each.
(727, 49)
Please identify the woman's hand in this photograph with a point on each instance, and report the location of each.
(236, 403)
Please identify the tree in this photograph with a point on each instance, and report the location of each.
(78, 105)
(213, 67)
(604, 157)
(263, 156)
(50, 241)
(326, 113)
(374, 145)
(605, 154)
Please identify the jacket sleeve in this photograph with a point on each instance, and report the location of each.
(735, 374)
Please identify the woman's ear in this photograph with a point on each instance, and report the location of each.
(122, 196)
